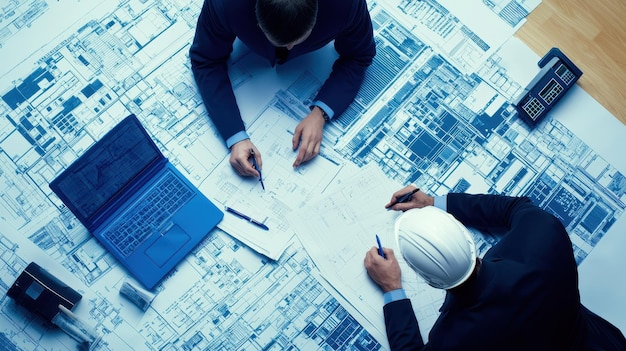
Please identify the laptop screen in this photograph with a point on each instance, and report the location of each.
(105, 168)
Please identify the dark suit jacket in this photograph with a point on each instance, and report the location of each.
(525, 296)
(221, 21)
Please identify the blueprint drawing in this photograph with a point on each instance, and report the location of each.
(19, 14)
(286, 189)
(434, 110)
(228, 297)
(448, 131)
(352, 230)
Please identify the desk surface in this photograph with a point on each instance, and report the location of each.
(593, 36)
(123, 68)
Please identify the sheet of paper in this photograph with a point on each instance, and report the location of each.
(337, 234)
(286, 188)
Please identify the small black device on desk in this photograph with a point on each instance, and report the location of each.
(46, 296)
(557, 75)
(41, 293)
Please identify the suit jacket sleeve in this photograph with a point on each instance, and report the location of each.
(492, 213)
(209, 53)
(403, 330)
(356, 48)
(530, 234)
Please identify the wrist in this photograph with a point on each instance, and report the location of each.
(320, 111)
(239, 143)
(391, 287)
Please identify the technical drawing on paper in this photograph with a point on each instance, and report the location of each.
(426, 113)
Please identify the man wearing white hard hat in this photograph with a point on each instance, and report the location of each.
(522, 295)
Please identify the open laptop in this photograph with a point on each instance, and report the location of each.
(135, 202)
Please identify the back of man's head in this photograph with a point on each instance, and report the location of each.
(286, 21)
(437, 246)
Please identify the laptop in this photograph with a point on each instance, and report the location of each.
(135, 202)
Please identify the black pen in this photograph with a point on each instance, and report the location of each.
(404, 198)
(247, 218)
(256, 166)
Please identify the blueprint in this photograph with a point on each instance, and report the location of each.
(434, 110)
(286, 189)
(337, 235)
(224, 296)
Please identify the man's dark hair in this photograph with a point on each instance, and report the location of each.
(285, 21)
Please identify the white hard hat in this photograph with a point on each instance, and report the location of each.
(437, 246)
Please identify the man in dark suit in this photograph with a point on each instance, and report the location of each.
(522, 295)
(280, 30)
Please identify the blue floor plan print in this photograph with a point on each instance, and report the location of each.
(434, 110)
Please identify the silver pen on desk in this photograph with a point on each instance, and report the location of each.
(247, 218)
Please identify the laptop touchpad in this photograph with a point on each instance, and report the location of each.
(167, 245)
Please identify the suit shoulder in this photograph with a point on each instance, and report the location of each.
(231, 7)
(341, 9)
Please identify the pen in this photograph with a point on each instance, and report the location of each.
(247, 218)
(256, 166)
(404, 198)
(380, 247)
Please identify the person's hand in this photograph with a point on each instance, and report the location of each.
(384, 271)
(240, 158)
(308, 136)
(417, 200)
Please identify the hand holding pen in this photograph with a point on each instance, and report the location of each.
(407, 198)
(240, 158)
(383, 267)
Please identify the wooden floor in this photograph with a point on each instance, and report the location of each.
(593, 35)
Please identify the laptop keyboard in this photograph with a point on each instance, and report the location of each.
(158, 204)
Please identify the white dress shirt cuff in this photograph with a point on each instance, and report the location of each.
(441, 202)
(237, 138)
(394, 295)
(329, 112)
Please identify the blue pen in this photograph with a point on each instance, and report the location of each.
(256, 166)
(380, 248)
(247, 218)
